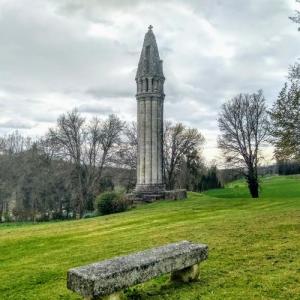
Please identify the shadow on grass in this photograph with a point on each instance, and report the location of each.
(161, 288)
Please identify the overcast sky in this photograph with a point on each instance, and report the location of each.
(57, 55)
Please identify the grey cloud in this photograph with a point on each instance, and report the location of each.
(109, 92)
(95, 108)
(17, 124)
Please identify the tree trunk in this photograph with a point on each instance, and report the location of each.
(253, 184)
(80, 196)
(253, 187)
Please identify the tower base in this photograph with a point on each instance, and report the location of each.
(150, 188)
(151, 193)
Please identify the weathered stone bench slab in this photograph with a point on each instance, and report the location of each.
(107, 277)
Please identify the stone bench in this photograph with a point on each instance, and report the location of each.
(106, 279)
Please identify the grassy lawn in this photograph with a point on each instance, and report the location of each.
(254, 245)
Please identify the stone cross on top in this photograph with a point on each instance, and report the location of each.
(150, 27)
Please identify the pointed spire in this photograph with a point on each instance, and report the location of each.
(150, 63)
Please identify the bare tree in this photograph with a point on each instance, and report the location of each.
(126, 155)
(243, 122)
(178, 142)
(127, 152)
(12, 148)
(68, 139)
(89, 146)
(103, 141)
(14, 143)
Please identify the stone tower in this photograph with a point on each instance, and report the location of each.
(150, 102)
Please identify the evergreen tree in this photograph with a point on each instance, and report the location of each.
(285, 117)
(194, 170)
(210, 180)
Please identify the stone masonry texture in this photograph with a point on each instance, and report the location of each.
(113, 275)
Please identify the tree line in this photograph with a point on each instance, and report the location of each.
(60, 174)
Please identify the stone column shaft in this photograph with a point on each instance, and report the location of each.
(148, 141)
(155, 141)
(138, 163)
(141, 141)
(160, 138)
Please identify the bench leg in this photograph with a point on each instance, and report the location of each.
(187, 274)
(114, 296)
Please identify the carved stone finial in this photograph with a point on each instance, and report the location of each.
(150, 27)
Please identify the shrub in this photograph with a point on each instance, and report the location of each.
(111, 202)
(123, 203)
(6, 217)
(120, 189)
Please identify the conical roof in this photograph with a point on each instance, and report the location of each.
(150, 64)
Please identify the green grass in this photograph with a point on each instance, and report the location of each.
(254, 245)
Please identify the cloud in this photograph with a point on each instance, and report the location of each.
(16, 124)
(59, 54)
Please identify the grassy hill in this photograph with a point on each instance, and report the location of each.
(254, 245)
